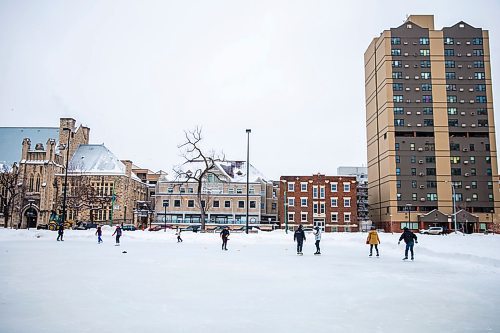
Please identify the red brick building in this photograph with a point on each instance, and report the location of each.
(318, 200)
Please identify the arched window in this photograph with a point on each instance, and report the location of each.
(37, 184)
(30, 184)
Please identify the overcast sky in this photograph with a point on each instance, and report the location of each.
(138, 73)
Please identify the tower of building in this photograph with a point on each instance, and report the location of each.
(430, 129)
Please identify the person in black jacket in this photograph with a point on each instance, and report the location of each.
(299, 236)
(225, 236)
(60, 233)
(410, 239)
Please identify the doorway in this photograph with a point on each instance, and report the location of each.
(319, 223)
(31, 216)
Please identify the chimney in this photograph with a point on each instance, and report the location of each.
(128, 167)
(26, 148)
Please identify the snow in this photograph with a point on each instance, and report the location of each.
(259, 285)
(96, 159)
(233, 171)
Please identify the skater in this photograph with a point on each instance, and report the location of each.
(99, 234)
(409, 238)
(299, 236)
(373, 240)
(60, 233)
(178, 233)
(224, 234)
(317, 237)
(118, 233)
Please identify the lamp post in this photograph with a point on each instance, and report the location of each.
(453, 198)
(165, 216)
(408, 207)
(390, 217)
(66, 177)
(248, 170)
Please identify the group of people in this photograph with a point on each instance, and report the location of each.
(299, 237)
(373, 240)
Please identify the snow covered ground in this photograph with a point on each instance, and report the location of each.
(259, 285)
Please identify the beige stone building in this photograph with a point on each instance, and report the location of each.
(430, 127)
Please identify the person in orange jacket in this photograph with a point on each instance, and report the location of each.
(373, 240)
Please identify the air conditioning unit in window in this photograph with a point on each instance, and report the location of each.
(409, 125)
(417, 101)
(468, 199)
(469, 55)
(415, 66)
(420, 149)
(469, 66)
(408, 101)
(465, 149)
(459, 54)
(406, 66)
(466, 162)
(422, 199)
(458, 43)
(460, 77)
(471, 89)
(407, 77)
(421, 174)
(420, 161)
(467, 187)
(473, 125)
(462, 113)
(459, 66)
(466, 174)
(406, 54)
(405, 43)
(417, 77)
(471, 78)
(417, 89)
(467, 42)
(407, 88)
(418, 112)
(419, 125)
(462, 101)
(463, 125)
(422, 186)
(471, 101)
(408, 112)
(461, 89)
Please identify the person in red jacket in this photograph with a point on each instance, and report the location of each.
(373, 240)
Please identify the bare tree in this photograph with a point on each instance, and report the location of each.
(197, 167)
(9, 191)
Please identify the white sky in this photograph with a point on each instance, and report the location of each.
(140, 72)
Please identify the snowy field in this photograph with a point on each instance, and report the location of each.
(259, 285)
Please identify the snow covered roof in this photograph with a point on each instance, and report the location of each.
(96, 159)
(11, 139)
(231, 171)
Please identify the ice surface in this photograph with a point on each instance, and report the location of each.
(259, 285)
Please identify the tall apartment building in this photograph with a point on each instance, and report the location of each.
(432, 156)
(328, 202)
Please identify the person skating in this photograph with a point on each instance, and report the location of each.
(99, 234)
(299, 236)
(410, 239)
(317, 237)
(60, 233)
(225, 236)
(118, 233)
(373, 240)
(178, 233)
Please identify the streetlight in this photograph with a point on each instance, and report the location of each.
(453, 198)
(248, 170)
(165, 204)
(408, 207)
(390, 217)
(285, 204)
(66, 177)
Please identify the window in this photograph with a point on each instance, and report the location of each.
(335, 217)
(480, 99)
(478, 53)
(432, 197)
(303, 187)
(480, 87)
(430, 171)
(253, 204)
(397, 98)
(490, 197)
(425, 64)
(477, 41)
(427, 99)
(449, 52)
(170, 190)
(398, 196)
(453, 122)
(398, 184)
(273, 206)
(413, 184)
(396, 52)
(472, 159)
(182, 190)
(398, 159)
(452, 111)
(239, 190)
(428, 122)
(398, 171)
(425, 52)
(479, 76)
(478, 64)
(303, 202)
(458, 197)
(451, 98)
(322, 207)
(425, 75)
(291, 187)
(414, 196)
(396, 41)
(227, 204)
(291, 217)
(488, 159)
(231, 190)
(450, 75)
(347, 202)
(455, 160)
(426, 87)
(321, 192)
(490, 185)
(347, 187)
(397, 86)
(413, 171)
(203, 202)
(315, 192)
(456, 171)
(424, 41)
(399, 122)
(449, 41)
(481, 112)
(190, 203)
(177, 203)
(474, 197)
(303, 217)
(334, 202)
(291, 202)
(315, 207)
(412, 146)
(397, 75)
(488, 171)
(449, 64)
(241, 204)
(431, 184)
(473, 171)
(427, 111)
(482, 123)
(473, 184)
(399, 110)
(190, 190)
(216, 204)
(413, 159)
(397, 63)
(347, 217)
(396, 146)
(333, 187)
(430, 159)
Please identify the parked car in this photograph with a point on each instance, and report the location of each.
(129, 227)
(42, 226)
(432, 231)
(85, 226)
(193, 228)
(155, 228)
